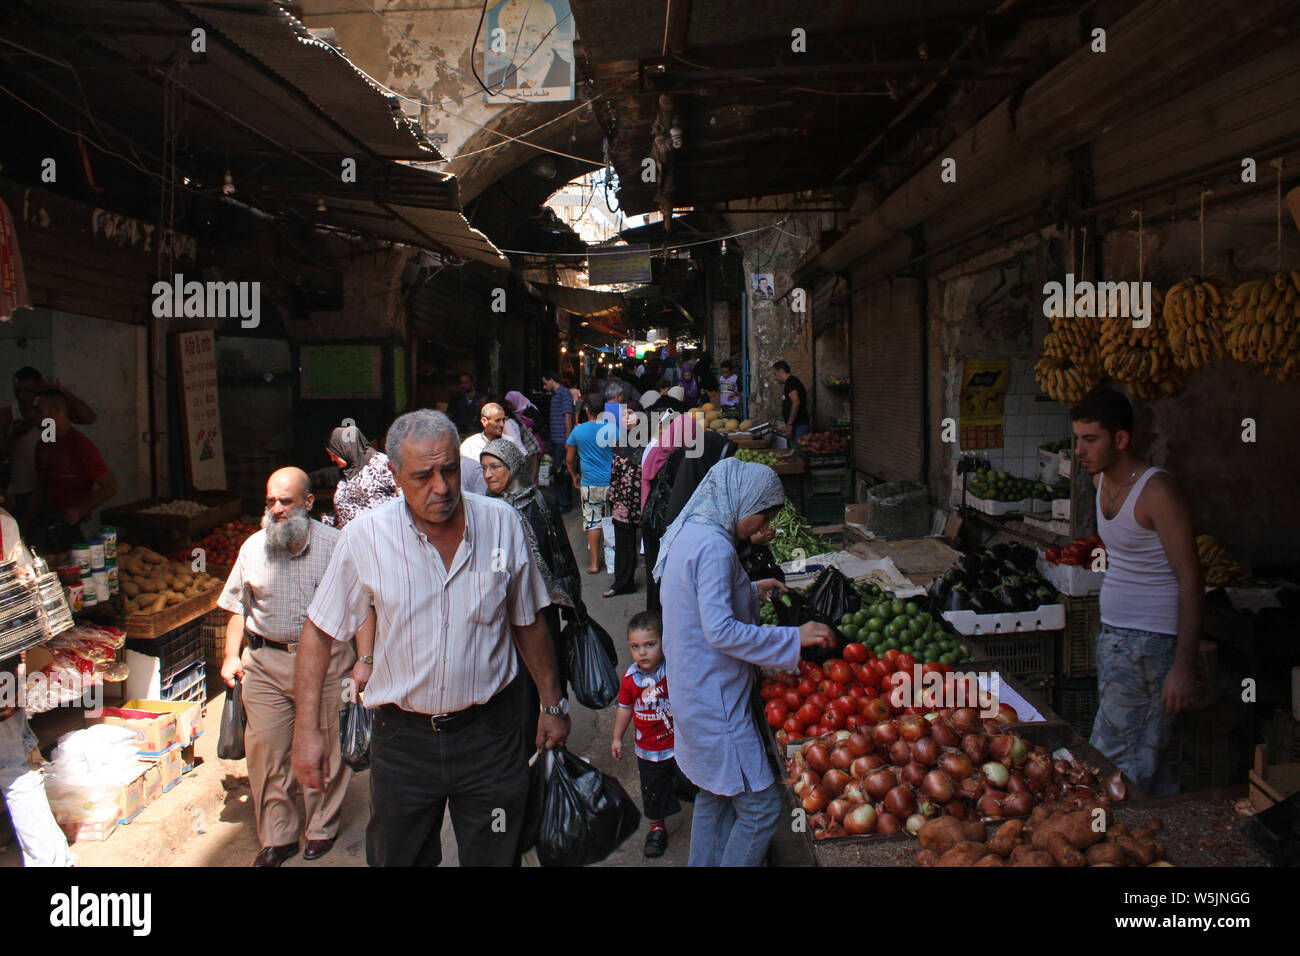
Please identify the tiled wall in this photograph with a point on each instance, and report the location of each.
(1026, 425)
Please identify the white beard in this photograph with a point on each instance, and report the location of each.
(289, 534)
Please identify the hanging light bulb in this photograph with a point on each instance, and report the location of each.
(320, 204)
(227, 184)
(724, 247)
(564, 349)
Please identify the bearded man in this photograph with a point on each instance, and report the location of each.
(272, 583)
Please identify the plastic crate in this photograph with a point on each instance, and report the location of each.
(176, 650)
(1076, 704)
(1022, 655)
(1079, 645)
(828, 481)
(825, 509)
(182, 685)
(214, 637)
(1199, 751)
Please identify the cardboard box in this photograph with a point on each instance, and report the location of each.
(157, 730)
(189, 716)
(170, 766)
(855, 514)
(1048, 465)
(188, 761)
(1061, 509)
(132, 798)
(152, 783)
(1065, 465)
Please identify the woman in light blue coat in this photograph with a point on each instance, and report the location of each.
(712, 644)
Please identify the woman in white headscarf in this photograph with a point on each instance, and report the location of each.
(712, 643)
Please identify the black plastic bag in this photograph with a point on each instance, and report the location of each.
(832, 596)
(354, 735)
(591, 661)
(585, 815)
(794, 610)
(230, 740)
(758, 562)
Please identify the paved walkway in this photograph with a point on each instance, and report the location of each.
(207, 819)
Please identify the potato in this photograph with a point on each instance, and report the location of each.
(963, 854)
(974, 831)
(129, 606)
(123, 548)
(1007, 838)
(1034, 858)
(926, 858)
(1059, 846)
(174, 597)
(991, 859)
(130, 588)
(940, 834)
(159, 604)
(148, 586)
(1140, 852)
(1100, 853)
(1075, 827)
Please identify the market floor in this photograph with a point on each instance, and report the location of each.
(207, 819)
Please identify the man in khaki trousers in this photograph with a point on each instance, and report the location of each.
(267, 594)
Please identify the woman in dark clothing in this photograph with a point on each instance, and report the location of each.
(683, 472)
(625, 500)
(506, 474)
(366, 481)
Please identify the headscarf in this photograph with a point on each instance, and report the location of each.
(691, 388)
(521, 492)
(678, 433)
(519, 401)
(350, 445)
(732, 490)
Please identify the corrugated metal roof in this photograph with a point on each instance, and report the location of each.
(416, 226)
(584, 302)
(324, 75)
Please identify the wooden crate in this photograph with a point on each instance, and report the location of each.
(149, 626)
(1272, 784)
(1079, 640)
(222, 507)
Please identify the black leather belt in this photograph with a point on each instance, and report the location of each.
(445, 723)
(257, 642)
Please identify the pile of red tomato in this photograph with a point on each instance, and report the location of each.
(843, 693)
(1078, 553)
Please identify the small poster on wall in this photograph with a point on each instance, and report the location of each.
(763, 285)
(205, 458)
(984, 384)
(528, 51)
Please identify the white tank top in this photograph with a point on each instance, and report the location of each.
(1139, 589)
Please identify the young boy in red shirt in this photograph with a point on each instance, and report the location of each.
(643, 701)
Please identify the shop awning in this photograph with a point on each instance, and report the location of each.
(583, 302)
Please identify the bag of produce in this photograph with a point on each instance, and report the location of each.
(585, 815)
(230, 739)
(758, 562)
(591, 661)
(832, 595)
(354, 735)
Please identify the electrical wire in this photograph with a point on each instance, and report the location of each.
(623, 252)
(474, 48)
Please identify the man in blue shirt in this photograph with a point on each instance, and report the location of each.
(561, 424)
(591, 447)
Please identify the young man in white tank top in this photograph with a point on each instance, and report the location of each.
(1151, 596)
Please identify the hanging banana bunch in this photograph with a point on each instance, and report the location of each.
(1195, 312)
(1140, 357)
(1070, 365)
(1263, 324)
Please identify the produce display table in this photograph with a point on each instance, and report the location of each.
(1200, 829)
(163, 530)
(146, 627)
(920, 560)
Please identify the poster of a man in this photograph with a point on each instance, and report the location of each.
(528, 51)
(763, 286)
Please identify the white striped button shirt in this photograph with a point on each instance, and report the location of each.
(274, 587)
(443, 641)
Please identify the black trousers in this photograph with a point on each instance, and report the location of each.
(651, 585)
(416, 771)
(624, 557)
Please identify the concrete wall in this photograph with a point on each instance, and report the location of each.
(100, 362)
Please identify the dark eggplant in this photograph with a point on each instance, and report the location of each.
(989, 563)
(1001, 551)
(938, 590)
(958, 599)
(1004, 599)
(1024, 598)
(1044, 596)
(970, 564)
(1025, 557)
(1008, 568)
(982, 601)
(953, 575)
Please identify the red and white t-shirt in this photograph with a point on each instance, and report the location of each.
(652, 715)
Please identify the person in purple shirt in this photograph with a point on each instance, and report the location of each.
(712, 645)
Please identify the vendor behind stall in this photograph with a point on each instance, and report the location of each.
(73, 479)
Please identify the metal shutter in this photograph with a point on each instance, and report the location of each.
(888, 379)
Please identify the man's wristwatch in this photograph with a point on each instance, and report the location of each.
(368, 659)
(556, 710)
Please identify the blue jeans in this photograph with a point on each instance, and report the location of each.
(734, 831)
(1131, 727)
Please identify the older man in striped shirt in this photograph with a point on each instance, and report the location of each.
(457, 596)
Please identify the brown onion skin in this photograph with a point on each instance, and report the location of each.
(815, 799)
(838, 809)
(819, 758)
(943, 733)
(955, 808)
(888, 823)
(841, 758)
(1000, 748)
(990, 805)
(835, 781)
(878, 784)
(1039, 772)
(938, 786)
(913, 727)
(860, 820)
(926, 751)
(808, 778)
(1017, 784)
(819, 821)
(900, 753)
(914, 773)
(965, 720)
(860, 745)
(901, 802)
(885, 734)
(956, 764)
(1017, 804)
(975, 746)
